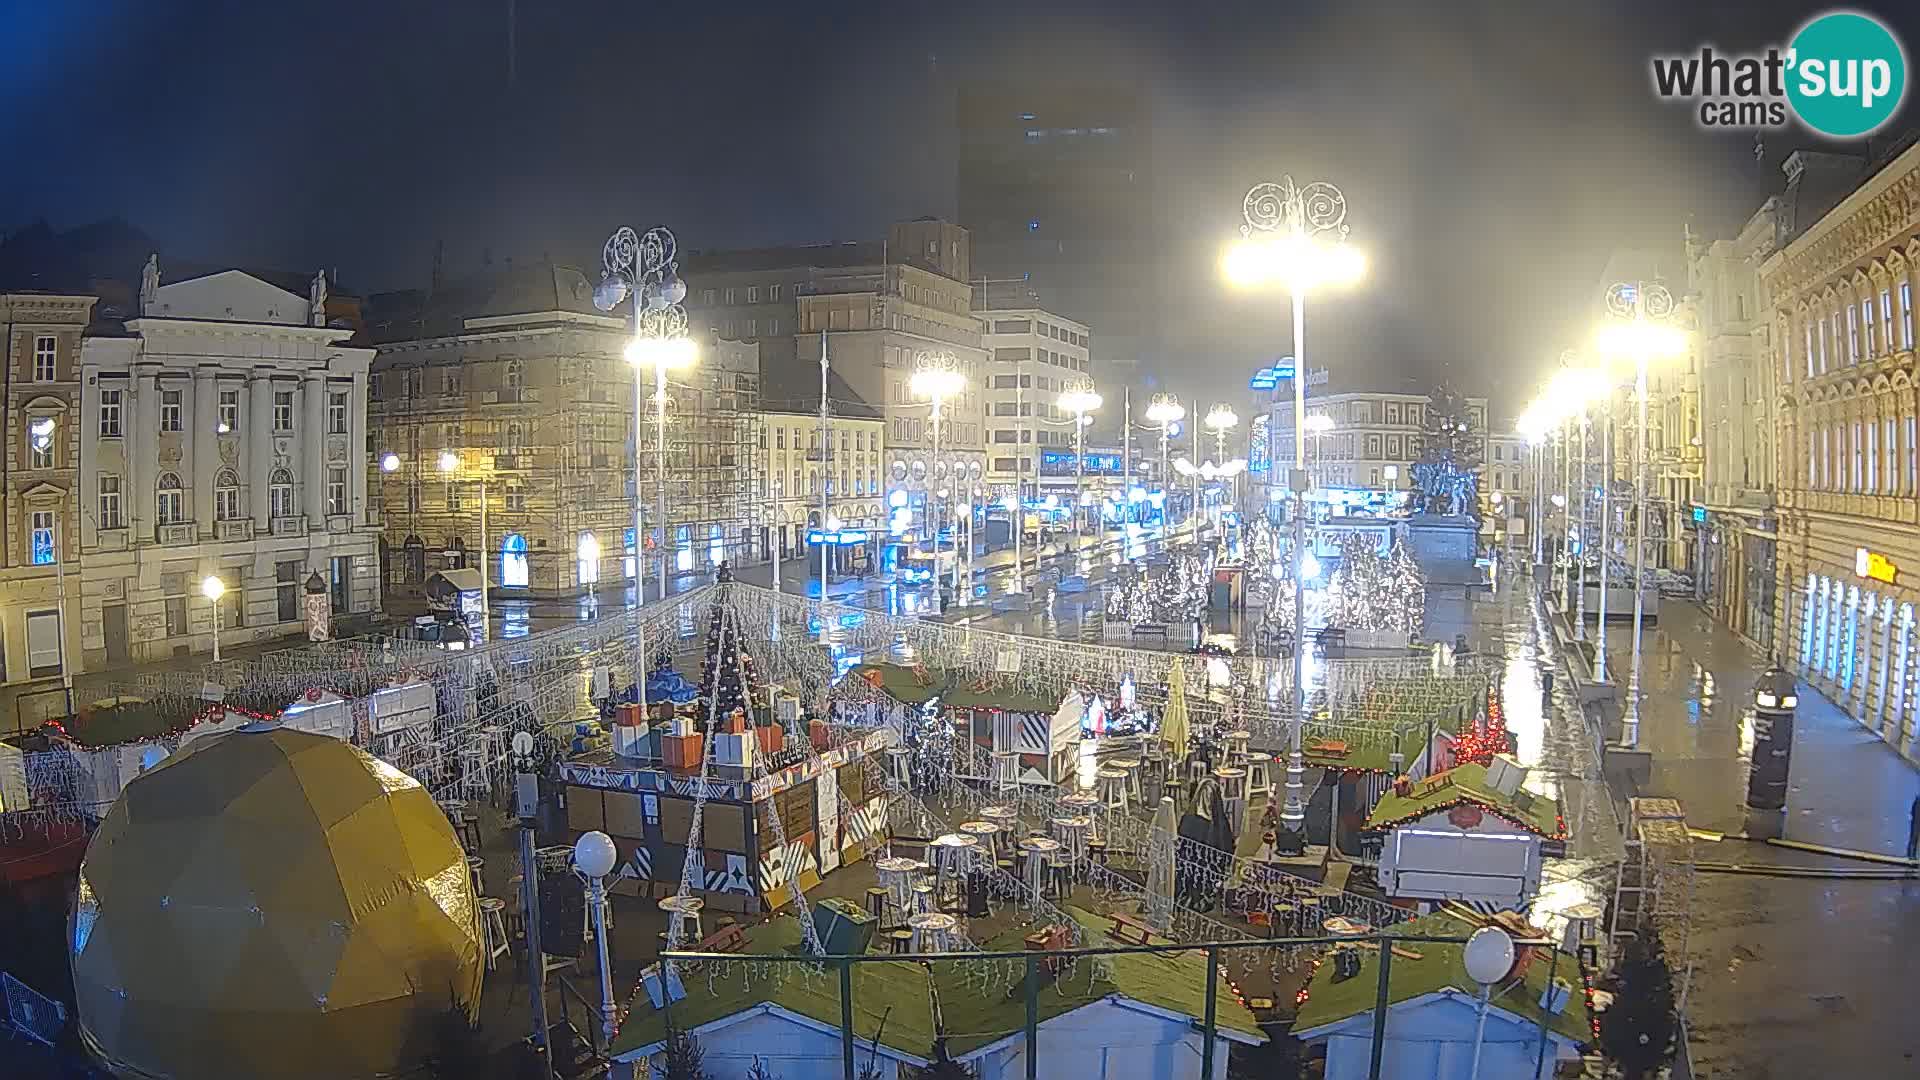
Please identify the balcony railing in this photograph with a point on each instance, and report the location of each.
(288, 526)
(175, 534)
(525, 394)
(239, 529)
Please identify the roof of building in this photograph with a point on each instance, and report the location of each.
(1464, 784)
(796, 389)
(1440, 967)
(530, 288)
(902, 994)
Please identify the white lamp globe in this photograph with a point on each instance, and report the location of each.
(1488, 955)
(594, 855)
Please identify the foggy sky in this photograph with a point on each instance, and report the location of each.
(1492, 154)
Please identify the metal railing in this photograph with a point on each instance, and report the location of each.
(1037, 963)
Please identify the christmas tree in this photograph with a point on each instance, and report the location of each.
(681, 1059)
(1637, 1030)
(1407, 588)
(727, 677)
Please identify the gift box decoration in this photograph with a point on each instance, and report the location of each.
(817, 732)
(683, 751)
(630, 741)
(735, 722)
(732, 748)
(628, 714)
(772, 738)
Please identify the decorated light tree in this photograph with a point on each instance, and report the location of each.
(1478, 744)
(1406, 586)
(727, 675)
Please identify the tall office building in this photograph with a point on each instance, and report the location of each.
(1056, 189)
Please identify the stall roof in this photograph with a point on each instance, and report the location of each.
(463, 580)
(1467, 784)
(1440, 967)
(898, 993)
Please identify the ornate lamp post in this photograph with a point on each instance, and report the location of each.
(1220, 420)
(1165, 412)
(936, 374)
(644, 266)
(1296, 237)
(1638, 331)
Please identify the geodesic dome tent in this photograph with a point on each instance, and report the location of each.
(272, 902)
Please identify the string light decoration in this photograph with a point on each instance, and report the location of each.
(1375, 592)
(1486, 737)
(727, 676)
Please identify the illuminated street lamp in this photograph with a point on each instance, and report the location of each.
(936, 376)
(1081, 401)
(1221, 420)
(449, 465)
(1317, 426)
(1295, 237)
(1165, 413)
(213, 589)
(1638, 332)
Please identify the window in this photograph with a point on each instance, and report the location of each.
(280, 494)
(1810, 371)
(229, 411)
(1913, 461)
(1866, 329)
(706, 297)
(1886, 320)
(1855, 447)
(110, 503)
(516, 497)
(416, 381)
(1892, 469)
(1906, 315)
(450, 382)
(336, 412)
(452, 432)
(283, 410)
(773, 327)
(731, 294)
(226, 497)
(1873, 456)
(169, 410)
(773, 293)
(110, 414)
(1823, 350)
(453, 497)
(176, 616)
(753, 294)
(40, 441)
(169, 501)
(43, 549)
(516, 375)
(510, 442)
(286, 590)
(753, 327)
(779, 438)
(45, 349)
(336, 491)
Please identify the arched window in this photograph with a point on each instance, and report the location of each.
(226, 496)
(511, 439)
(169, 501)
(513, 561)
(280, 494)
(516, 375)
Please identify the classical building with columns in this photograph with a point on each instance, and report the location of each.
(225, 434)
(1842, 301)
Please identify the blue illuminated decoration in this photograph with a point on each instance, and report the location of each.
(1259, 446)
(1060, 462)
(1034, 225)
(43, 547)
(837, 539)
(1264, 379)
(1700, 514)
(1283, 368)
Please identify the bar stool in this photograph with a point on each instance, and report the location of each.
(877, 904)
(900, 941)
(899, 762)
(1233, 789)
(683, 915)
(493, 929)
(1259, 776)
(1113, 788)
(1006, 772)
(1041, 851)
(474, 865)
(476, 774)
(1236, 743)
(896, 876)
(923, 900)
(1131, 766)
(1072, 834)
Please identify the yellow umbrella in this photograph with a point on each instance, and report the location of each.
(1173, 722)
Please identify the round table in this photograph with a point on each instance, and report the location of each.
(1007, 817)
(953, 855)
(1041, 851)
(679, 910)
(896, 873)
(985, 833)
(930, 930)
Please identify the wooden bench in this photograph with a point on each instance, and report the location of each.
(1128, 930)
(727, 939)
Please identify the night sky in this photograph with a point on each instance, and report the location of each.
(1492, 154)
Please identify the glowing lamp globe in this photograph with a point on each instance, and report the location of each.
(272, 902)
(594, 854)
(608, 294)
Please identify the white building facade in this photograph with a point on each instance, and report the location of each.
(1033, 356)
(226, 436)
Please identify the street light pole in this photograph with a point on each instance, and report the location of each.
(1606, 538)
(1302, 232)
(1580, 574)
(826, 469)
(937, 375)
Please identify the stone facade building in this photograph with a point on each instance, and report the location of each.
(851, 467)
(224, 433)
(1841, 297)
(525, 383)
(40, 340)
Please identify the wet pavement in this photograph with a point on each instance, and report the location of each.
(1795, 977)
